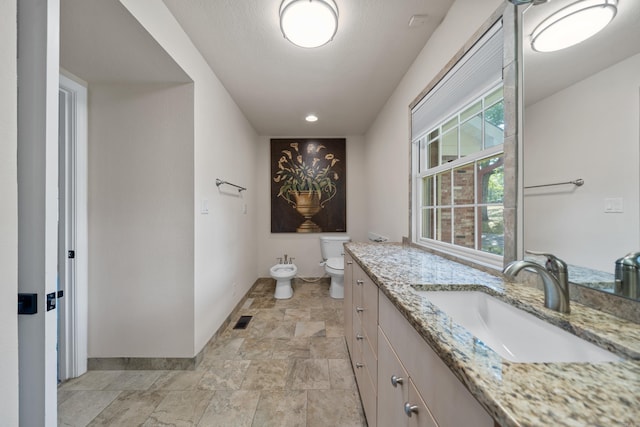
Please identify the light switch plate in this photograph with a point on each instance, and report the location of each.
(613, 205)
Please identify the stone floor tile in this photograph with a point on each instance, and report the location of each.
(177, 380)
(224, 375)
(307, 374)
(134, 380)
(287, 408)
(231, 408)
(131, 408)
(253, 349)
(180, 409)
(297, 314)
(224, 348)
(310, 329)
(270, 388)
(341, 374)
(328, 348)
(91, 380)
(291, 348)
(82, 406)
(334, 408)
(266, 375)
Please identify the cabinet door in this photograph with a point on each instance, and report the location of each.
(393, 385)
(348, 301)
(417, 410)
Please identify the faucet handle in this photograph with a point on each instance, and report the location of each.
(553, 264)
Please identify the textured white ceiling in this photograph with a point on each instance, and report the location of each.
(276, 84)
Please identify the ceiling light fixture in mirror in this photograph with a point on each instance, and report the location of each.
(309, 23)
(573, 24)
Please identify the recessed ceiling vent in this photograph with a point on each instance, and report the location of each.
(418, 20)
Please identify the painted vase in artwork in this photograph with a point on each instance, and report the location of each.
(307, 203)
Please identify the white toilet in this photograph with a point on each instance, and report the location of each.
(333, 256)
(283, 273)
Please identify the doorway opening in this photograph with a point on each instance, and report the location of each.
(72, 230)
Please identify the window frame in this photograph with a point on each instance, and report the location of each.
(417, 178)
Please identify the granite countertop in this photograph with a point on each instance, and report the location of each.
(514, 394)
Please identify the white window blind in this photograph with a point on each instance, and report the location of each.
(474, 74)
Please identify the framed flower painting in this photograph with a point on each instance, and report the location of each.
(308, 185)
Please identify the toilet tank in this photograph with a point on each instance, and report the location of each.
(331, 246)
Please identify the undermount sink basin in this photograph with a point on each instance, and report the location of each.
(513, 333)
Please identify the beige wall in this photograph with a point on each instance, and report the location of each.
(589, 131)
(387, 140)
(8, 214)
(225, 253)
(305, 248)
(140, 218)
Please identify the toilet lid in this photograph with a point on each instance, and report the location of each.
(337, 263)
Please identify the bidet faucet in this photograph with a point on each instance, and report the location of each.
(285, 258)
(554, 276)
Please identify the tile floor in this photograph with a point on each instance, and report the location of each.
(290, 367)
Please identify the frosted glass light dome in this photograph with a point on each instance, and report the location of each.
(309, 23)
(573, 24)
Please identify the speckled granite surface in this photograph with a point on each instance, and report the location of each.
(515, 394)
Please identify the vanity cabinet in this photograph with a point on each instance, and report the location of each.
(361, 324)
(436, 395)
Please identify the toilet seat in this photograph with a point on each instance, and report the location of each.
(335, 263)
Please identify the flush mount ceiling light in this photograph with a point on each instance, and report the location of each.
(309, 23)
(311, 118)
(573, 24)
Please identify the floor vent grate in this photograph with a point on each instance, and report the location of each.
(243, 322)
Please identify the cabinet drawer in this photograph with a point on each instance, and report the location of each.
(391, 399)
(420, 415)
(450, 403)
(348, 301)
(368, 395)
(370, 313)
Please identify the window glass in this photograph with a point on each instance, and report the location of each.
(491, 180)
(471, 136)
(434, 154)
(493, 97)
(427, 223)
(443, 188)
(464, 185)
(494, 125)
(450, 146)
(427, 191)
(491, 219)
(471, 111)
(464, 227)
(443, 225)
(450, 124)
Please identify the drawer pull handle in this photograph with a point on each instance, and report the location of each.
(359, 337)
(396, 380)
(359, 282)
(359, 365)
(349, 262)
(410, 409)
(359, 309)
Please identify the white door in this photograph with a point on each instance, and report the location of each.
(38, 71)
(72, 230)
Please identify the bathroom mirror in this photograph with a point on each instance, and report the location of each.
(581, 121)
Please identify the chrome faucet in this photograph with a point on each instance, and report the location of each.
(554, 277)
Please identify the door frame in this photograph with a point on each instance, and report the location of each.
(73, 320)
